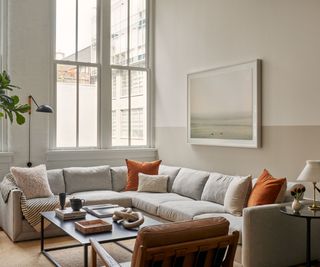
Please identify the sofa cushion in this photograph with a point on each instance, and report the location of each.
(56, 181)
(32, 181)
(190, 183)
(171, 171)
(78, 179)
(186, 210)
(216, 187)
(237, 195)
(153, 183)
(267, 190)
(150, 202)
(134, 167)
(119, 178)
(235, 221)
(103, 197)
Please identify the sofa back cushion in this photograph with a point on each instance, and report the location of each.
(216, 187)
(171, 171)
(119, 178)
(78, 179)
(190, 183)
(56, 181)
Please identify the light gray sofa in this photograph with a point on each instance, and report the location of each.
(267, 237)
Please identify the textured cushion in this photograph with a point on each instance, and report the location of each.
(190, 183)
(216, 187)
(266, 189)
(237, 195)
(119, 178)
(32, 181)
(171, 171)
(186, 210)
(134, 167)
(236, 222)
(173, 233)
(56, 181)
(103, 197)
(79, 179)
(153, 183)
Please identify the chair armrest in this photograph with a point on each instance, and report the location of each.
(11, 215)
(268, 235)
(106, 258)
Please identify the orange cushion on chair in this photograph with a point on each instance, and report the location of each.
(134, 167)
(266, 189)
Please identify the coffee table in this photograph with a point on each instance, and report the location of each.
(118, 233)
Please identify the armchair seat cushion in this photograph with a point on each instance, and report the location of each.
(103, 197)
(186, 210)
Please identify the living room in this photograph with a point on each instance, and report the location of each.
(184, 37)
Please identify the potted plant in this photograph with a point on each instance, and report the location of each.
(9, 105)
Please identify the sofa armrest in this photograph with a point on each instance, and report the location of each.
(271, 238)
(11, 215)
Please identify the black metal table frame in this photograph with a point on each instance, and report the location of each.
(85, 246)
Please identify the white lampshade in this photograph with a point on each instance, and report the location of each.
(311, 172)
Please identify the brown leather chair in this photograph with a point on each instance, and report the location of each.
(197, 243)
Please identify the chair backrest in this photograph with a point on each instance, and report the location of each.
(198, 243)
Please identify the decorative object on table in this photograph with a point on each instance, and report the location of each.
(102, 211)
(128, 218)
(76, 203)
(10, 104)
(93, 226)
(224, 106)
(62, 200)
(69, 214)
(297, 192)
(311, 173)
(41, 108)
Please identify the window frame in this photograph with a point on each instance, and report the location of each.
(104, 80)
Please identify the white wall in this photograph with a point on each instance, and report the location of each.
(195, 35)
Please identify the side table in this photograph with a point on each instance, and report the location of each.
(308, 215)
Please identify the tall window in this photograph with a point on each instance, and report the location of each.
(82, 73)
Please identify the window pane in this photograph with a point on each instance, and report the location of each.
(120, 105)
(138, 108)
(65, 29)
(87, 30)
(66, 106)
(88, 99)
(137, 33)
(119, 36)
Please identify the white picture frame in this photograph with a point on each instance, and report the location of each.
(224, 106)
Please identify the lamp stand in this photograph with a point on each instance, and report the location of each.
(314, 205)
(29, 163)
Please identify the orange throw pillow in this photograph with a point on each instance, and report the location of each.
(134, 167)
(266, 189)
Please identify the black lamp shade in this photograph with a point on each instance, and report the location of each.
(45, 109)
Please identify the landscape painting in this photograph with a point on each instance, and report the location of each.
(223, 106)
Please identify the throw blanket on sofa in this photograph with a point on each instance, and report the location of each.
(30, 208)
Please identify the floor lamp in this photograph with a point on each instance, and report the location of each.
(41, 108)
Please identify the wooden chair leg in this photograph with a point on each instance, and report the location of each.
(93, 258)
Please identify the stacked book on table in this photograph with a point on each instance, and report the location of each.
(69, 214)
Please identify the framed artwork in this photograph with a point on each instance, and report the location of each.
(224, 106)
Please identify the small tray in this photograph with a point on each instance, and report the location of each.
(93, 226)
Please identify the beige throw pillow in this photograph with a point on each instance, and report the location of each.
(152, 183)
(237, 195)
(32, 181)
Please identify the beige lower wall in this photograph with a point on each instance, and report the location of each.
(284, 151)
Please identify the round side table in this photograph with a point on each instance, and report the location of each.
(308, 214)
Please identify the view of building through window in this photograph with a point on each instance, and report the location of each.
(77, 73)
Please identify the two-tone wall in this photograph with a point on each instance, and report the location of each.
(195, 35)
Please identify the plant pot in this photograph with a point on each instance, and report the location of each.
(296, 205)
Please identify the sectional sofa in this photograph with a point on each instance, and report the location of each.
(267, 237)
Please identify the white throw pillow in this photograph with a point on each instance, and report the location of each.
(237, 195)
(153, 183)
(32, 181)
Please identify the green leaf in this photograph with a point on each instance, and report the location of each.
(19, 118)
(15, 99)
(23, 108)
(1, 115)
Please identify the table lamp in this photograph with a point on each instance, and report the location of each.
(311, 173)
